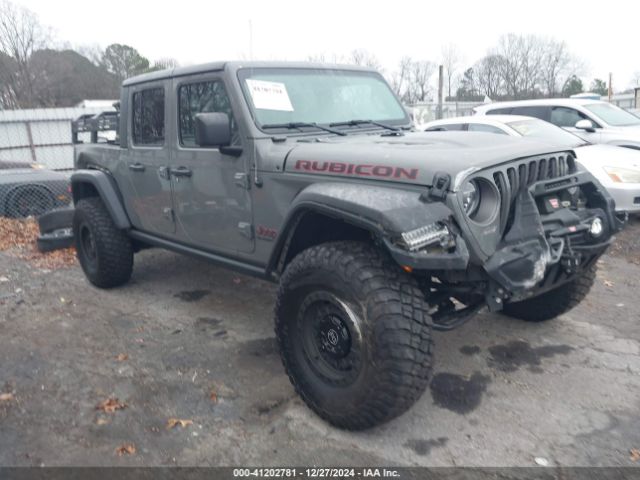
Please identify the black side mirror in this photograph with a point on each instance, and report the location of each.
(212, 129)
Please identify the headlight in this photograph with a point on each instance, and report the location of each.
(470, 197)
(623, 175)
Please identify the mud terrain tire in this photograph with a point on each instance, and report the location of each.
(354, 334)
(551, 304)
(104, 252)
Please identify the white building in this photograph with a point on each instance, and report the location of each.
(43, 135)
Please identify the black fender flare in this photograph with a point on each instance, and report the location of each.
(108, 191)
(384, 211)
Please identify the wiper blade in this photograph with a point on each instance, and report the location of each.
(353, 123)
(300, 125)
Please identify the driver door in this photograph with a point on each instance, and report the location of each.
(210, 188)
(567, 118)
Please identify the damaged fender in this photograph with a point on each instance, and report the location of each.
(386, 212)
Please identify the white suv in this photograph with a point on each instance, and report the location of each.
(592, 120)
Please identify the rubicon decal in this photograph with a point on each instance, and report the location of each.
(362, 170)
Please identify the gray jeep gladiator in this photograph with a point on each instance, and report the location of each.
(309, 175)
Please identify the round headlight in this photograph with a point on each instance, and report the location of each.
(470, 197)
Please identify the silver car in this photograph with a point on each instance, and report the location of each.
(592, 120)
(617, 169)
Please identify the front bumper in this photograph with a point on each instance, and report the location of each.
(626, 196)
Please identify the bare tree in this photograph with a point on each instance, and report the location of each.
(488, 78)
(555, 66)
(522, 59)
(400, 77)
(365, 58)
(419, 86)
(450, 61)
(165, 63)
(20, 36)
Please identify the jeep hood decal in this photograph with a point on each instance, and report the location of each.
(412, 158)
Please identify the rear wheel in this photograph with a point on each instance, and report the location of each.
(551, 304)
(104, 252)
(354, 335)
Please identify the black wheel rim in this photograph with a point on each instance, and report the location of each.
(331, 342)
(87, 245)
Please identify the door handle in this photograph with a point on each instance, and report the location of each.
(181, 172)
(136, 167)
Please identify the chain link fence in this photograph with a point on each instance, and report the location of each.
(36, 158)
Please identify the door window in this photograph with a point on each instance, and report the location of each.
(566, 117)
(446, 127)
(480, 127)
(537, 112)
(202, 97)
(148, 117)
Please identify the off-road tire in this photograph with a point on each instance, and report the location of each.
(392, 353)
(109, 261)
(551, 304)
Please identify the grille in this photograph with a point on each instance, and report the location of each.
(517, 176)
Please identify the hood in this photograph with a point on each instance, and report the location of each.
(412, 158)
(608, 155)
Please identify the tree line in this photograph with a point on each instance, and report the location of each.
(34, 74)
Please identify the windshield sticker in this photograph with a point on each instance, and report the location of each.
(269, 95)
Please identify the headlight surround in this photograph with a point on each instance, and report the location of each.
(470, 197)
(480, 200)
(623, 175)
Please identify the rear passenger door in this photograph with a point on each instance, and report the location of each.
(211, 202)
(145, 167)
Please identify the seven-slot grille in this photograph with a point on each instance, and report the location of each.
(524, 174)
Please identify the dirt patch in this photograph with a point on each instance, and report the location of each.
(627, 243)
(18, 238)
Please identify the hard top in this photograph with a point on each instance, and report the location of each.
(234, 66)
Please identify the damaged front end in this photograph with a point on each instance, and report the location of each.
(538, 223)
(554, 221)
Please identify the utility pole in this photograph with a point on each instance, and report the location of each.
(440, 92)
(610, 92)
(250, 40)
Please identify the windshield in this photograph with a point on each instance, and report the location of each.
(546, 131)
(614, 116)
(323, 96)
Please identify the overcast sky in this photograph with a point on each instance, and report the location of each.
(604, 36)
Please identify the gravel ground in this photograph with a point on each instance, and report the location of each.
(186, 341)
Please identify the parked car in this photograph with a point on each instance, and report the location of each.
(594, 121)
(28, 189)
(618, 169)
(308, 175)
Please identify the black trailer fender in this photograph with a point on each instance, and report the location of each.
(383, 211)
(88, 183)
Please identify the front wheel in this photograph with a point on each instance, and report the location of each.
(551, 304)
(354, 335)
